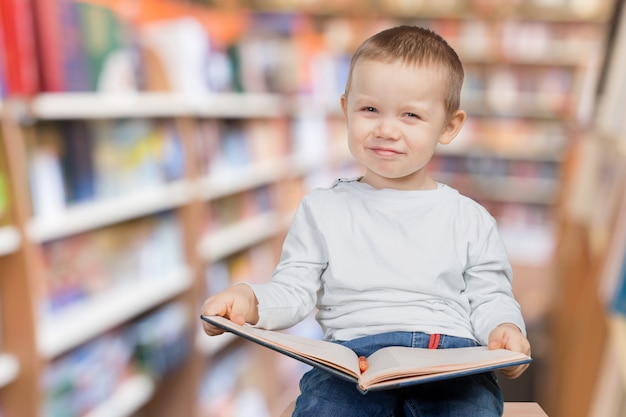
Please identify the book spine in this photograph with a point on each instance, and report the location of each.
(22, 76)
(77, 161)
(51, 44)
(5, 196)
(619, 300)
(3, 63)
(99, 34)
(74, 59)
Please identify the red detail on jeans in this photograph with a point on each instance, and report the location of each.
(433, 343)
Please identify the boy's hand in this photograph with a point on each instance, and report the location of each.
(508, 336)
(237, 303)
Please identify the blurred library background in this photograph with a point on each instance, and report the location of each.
(152, 152)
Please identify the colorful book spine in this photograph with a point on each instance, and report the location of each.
(20, 48)
(49, 37)
(78, 162)
(3, 61)
(100, 34)
(76, 75)
(5, 195)
(619, 300)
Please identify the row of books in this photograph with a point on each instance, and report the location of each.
(86, 377)
(226, 145)
(231, 386)
(85, 265)
(77, 161)
(449, 8)
(84, 46)
(234, 208)
(511, 138)
(72, 162)
(489, 166)
(254, 264)
(520, 41)
(512, 91)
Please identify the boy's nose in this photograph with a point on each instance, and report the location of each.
(387, 129)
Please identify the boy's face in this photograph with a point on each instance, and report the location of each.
(396, 117)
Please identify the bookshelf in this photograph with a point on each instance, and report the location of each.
(232, 203)
(591, 253)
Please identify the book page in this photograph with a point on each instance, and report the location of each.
(327, 353)
(398, 362)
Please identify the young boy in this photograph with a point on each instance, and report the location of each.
(393, 257)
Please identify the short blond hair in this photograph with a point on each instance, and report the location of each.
(415, 46)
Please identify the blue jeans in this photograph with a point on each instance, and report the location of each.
(323, 395)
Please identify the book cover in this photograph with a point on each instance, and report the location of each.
(388, 368)
(46, 177)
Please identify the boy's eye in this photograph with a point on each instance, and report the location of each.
(369, 109)
(412, 115)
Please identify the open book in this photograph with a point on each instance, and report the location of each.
(390, 367)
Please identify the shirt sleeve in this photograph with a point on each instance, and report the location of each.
(291, 294)
(489, 286)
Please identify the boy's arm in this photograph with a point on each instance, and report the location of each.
(509, 336)
(237, 303)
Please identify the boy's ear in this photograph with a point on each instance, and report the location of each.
(453, 127)
(344, 104)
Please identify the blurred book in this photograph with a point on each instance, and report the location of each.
(19, 47)
(89, 264)
(5, 189)
(110, 54)
(62, 58)
(181, 48)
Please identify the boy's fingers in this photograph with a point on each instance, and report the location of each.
(237, 313)
(211, 330)
(495, 344)
(514, 372)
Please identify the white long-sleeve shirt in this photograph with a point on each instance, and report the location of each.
(375, 261)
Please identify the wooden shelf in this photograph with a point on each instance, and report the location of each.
(9, 369)
(235, 238)
(10, 240)
(130, 396)
(93, 105)
(82, 321)
(104, 212)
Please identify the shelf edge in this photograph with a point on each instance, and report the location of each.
(10, 240)
(81, 322)
(105, 212)
(131, 395)
(9, 369)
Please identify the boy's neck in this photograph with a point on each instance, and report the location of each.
(402, 184)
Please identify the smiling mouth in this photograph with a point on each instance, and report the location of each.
(384, 152)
